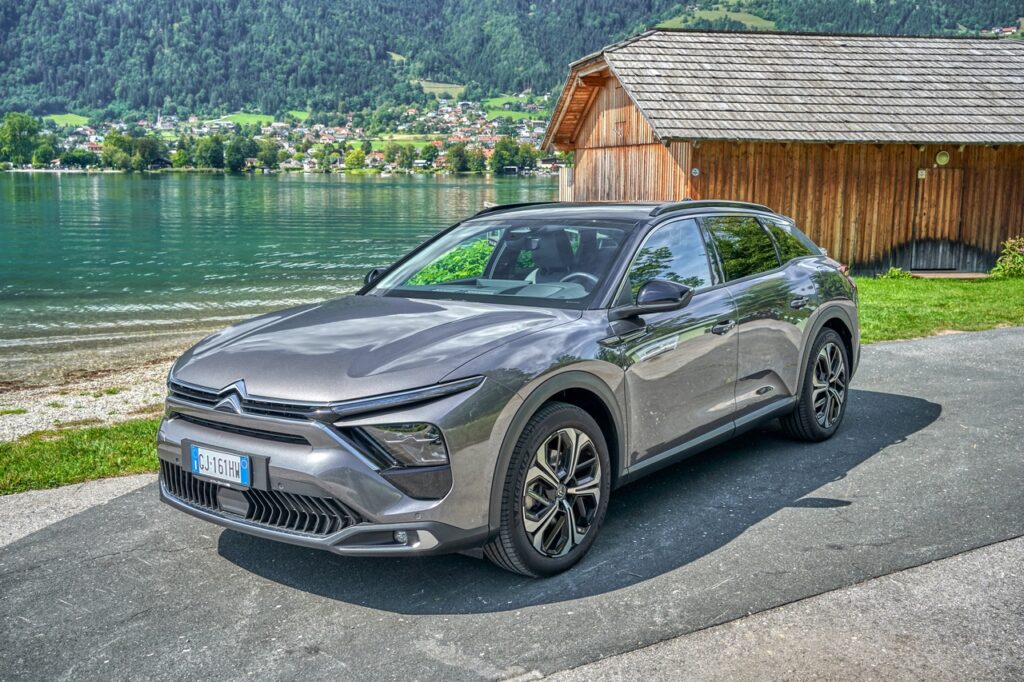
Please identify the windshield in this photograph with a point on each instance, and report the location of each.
(528, 262)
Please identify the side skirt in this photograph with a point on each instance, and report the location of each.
(708, 440)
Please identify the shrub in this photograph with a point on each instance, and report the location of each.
(896, 273)
(1011, 260)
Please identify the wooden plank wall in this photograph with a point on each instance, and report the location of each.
(617, 157)
(859, 200)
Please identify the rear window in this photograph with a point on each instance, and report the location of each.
(791, 242)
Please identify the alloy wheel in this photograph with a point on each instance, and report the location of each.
(562, 492)
(828, 390)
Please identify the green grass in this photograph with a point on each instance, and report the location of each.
(419, 141)
(48, 459)
(298, 115)
(65, 120)
(911, 308)
(12, 410)
(442, 89)
(243, 118)
(494, 108)
(395, 57)
(751, 21)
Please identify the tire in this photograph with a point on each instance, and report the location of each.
(824, 391)
(539, 508)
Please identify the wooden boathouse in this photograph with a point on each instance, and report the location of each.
(886, 150)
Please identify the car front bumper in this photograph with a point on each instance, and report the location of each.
(313, 487)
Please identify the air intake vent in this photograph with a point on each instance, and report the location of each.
(299, 514)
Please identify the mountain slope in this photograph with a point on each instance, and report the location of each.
(215, 55)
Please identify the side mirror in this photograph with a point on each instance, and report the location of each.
(372, 276)
(656, 296)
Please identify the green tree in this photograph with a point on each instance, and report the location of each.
(526, 156)
(430, 153)
(267, 153)
(234, 154)
(355, 159)
(19, 136)
(209, 152)
(180, 158)
(80, 158)
(458, 160)
(476, 161)
(43, 154)
(391, 151)
(367, 147)
(149, 149)
(506, 153)
(406, 156)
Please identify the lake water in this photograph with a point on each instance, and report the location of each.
(101, 269)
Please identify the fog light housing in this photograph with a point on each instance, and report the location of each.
(412, 444)
(401, 537)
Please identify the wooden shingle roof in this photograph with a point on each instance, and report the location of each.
(814, 88)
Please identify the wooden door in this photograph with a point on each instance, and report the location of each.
(937, 218)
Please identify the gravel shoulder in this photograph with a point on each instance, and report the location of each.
(110, 397)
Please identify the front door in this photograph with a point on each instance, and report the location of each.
(937, 219)
(680, 366)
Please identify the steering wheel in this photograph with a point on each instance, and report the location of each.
(586, 276)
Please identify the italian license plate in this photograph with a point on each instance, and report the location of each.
(222, 466)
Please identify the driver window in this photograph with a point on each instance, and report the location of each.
(675, 252)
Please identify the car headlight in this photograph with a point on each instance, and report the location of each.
(414, 444)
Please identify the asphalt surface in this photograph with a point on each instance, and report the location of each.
(928, 465)
(960, 618)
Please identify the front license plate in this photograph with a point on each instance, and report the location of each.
(222, 466)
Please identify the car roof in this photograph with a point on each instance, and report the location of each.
(638, 211)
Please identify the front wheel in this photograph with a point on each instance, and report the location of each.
(824, 391)
(555, 495)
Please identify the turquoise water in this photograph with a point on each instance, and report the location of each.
(90, 263)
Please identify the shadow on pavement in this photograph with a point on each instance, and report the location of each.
(653, 526)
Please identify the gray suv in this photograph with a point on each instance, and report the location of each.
(489, 390)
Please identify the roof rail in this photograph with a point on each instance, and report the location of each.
(705, 203)
(494, 208)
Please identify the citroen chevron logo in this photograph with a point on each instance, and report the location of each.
(230, 404)
(233, 394)
(238, 387)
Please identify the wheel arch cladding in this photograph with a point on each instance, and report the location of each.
(581, 389)
(837, 319)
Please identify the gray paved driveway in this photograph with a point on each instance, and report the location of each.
(928, 464)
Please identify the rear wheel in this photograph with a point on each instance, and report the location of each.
(555, 494)
(824, 391)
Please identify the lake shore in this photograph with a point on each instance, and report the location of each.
(103, 398)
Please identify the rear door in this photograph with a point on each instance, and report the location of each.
(679, 366)
(773, 303)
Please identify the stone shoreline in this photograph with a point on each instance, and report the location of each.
(93, 400)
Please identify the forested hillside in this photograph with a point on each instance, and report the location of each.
(205, 56)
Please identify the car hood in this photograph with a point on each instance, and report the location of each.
(356, 346)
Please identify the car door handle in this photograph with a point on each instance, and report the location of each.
(723, 327)
(798, 303)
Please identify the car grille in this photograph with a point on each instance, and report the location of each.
(243, 430)
(274, 509)
(193, 395)
(263, 408)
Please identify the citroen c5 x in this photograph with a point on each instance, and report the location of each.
(493, 387)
